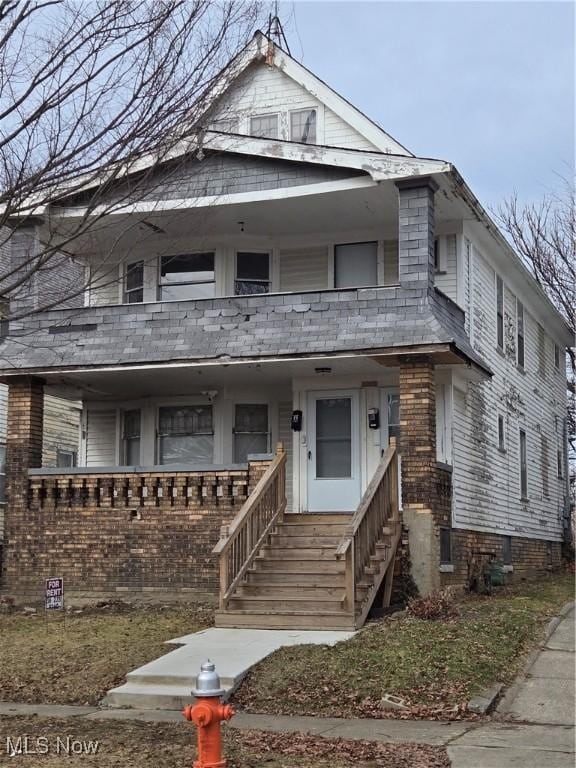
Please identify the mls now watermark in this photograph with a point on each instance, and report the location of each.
(42, 745)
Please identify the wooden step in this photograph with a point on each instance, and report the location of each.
(296, 578)
(290, 592)
(310, 565)
(280, 539)
(299, 553)
(319, 517)
(313, 529)
(282, 603)
(289, 620)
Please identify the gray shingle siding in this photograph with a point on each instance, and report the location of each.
(236, 328)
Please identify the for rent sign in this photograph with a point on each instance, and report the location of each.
(54, 594)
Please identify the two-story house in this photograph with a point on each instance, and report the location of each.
(294, 276)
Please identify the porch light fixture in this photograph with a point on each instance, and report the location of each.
(322, 370)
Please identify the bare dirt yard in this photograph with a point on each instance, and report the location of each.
(122, 744)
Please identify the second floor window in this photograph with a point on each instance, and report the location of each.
(355, 265)
(185, 435)
(134, 282)
(187, 276)
(264, 126)
(252, 273)
(499, 312)
(523, 466)
(303, 126)
(131, 437)
(520, 334)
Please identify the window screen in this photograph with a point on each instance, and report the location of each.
(303, 126)
(131, 437)
(134, 283)
(185, 435)
(356, 264)
(252, 273)
(264, 126)
(250, 431)
(187, 276)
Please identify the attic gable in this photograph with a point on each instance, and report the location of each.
(268, 83)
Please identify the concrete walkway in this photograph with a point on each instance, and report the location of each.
(539, 708)
(165, 683)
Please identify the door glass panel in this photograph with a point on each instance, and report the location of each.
(394, 416)
(334, 437)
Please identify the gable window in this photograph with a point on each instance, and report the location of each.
(499, 312)
(445, 546)
(556, 357)
(501, 435)
(264, 126)
(355, 264)
(520, 334)
(303, 126)
(65, 457)
(523, 466)
(134, 282)
(185, 434)
(252, 273)
(187, 276)
(131, 437)
(250, 431)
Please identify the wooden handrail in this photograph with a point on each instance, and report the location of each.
(375, 522)
(243, 538)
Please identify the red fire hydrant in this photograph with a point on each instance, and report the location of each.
(207, 714)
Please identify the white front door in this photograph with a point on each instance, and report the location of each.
(333, 451)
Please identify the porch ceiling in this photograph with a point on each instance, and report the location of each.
(197, 379)
(304, 211)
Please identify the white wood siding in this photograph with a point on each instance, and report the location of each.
(101, 449)
(61, 428)
(487, 480)
(447, 279)
(262, 89)
(304, 269)
(104, 287)
(285, 436)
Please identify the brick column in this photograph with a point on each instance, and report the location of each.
(419, 472)
(23, 450)
(416, 232)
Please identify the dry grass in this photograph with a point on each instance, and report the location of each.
(75, 659)
(124, 744)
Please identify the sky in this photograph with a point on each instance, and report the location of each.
(488, 86)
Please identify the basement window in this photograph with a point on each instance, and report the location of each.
(264, 126)
(303, 126)
(507, 550)
(134, 282)
(445, 546)
(187, 276)
(499, 312)
(251, 433)
(185, 435)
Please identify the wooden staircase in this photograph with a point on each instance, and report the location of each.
(308, 571)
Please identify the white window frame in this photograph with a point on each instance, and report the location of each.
(297, 111)
(124, 282)
(247, 249)
(123, 452)
(277, 115)
(523, 465)
(499, 280)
